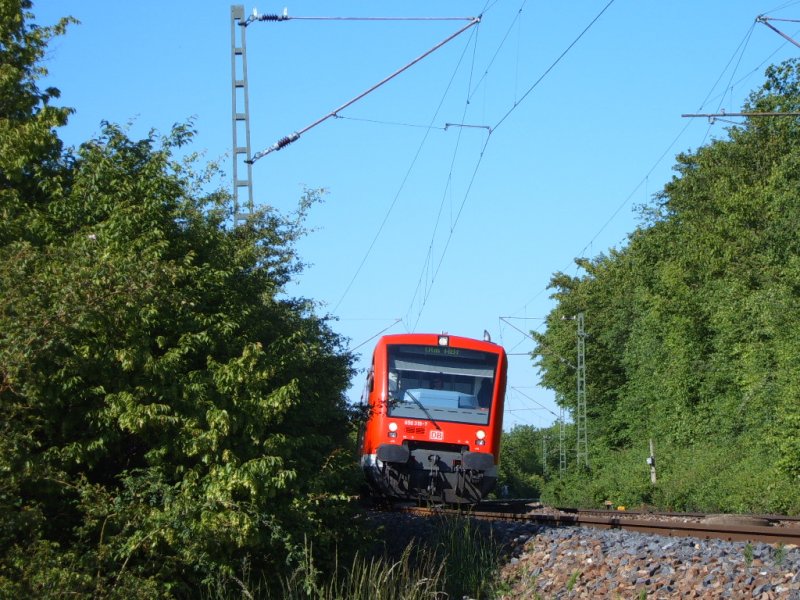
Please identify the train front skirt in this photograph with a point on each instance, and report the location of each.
(428, 472)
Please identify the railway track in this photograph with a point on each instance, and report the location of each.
(770, 529)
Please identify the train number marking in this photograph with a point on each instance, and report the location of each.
(437, 434)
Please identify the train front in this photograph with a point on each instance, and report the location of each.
(436, 412)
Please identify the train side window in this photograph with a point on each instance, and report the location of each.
(369, 386)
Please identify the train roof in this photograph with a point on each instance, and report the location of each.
(441, 339)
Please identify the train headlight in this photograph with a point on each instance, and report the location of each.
(392, 430)
(481, 435)
(444, 340)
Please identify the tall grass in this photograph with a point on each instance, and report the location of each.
(415, 576)
(471, 557)
(455, 561)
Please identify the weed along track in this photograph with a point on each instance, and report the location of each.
(552, 553)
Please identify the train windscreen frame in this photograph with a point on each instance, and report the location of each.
(440, 383)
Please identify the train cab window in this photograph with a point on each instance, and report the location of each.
(445, 384)
(485, 394)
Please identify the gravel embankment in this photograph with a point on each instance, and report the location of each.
(577, 562)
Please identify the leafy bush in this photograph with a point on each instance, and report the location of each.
(705, 478)
(166, 411)
(520, 468)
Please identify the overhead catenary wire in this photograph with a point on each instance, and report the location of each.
(394, 123)
(712, 117)
(766, 20)
(293, 137)
(286, 17)
(400, 188)
(622, 204)
(743, 45)
(737, 52)
(744, 114)
(497, 52)
(553, 65)
(547, 348)
(782, 6)
(445, 127)
(452, 230)
(534, 401)
(477, 166)
(525, 336)
(440, 284)
(285, 141)
(519, 420)
(486, 143)
(753, 70)
(354, 348)
(429, 256)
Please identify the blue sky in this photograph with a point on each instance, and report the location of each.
(428, 227)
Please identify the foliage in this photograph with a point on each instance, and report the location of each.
(704, 477)
(692, 326)
(167, 412)
(520, 469)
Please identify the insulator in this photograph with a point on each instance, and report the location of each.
(283, 142)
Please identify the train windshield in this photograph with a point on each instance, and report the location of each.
(441, 383)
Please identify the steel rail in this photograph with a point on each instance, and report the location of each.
(671, 528)
(772, 518)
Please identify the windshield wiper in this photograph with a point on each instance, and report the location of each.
(425, 410)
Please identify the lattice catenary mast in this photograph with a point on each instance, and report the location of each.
(580, 413)
(562, 448)
(240, 117)
(243, 158)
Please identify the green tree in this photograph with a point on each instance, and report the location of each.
(605, 296)
(30, 150)
(168, 413)
(521, 461)
(692, 324)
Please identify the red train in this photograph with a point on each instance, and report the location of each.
(435, 418)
